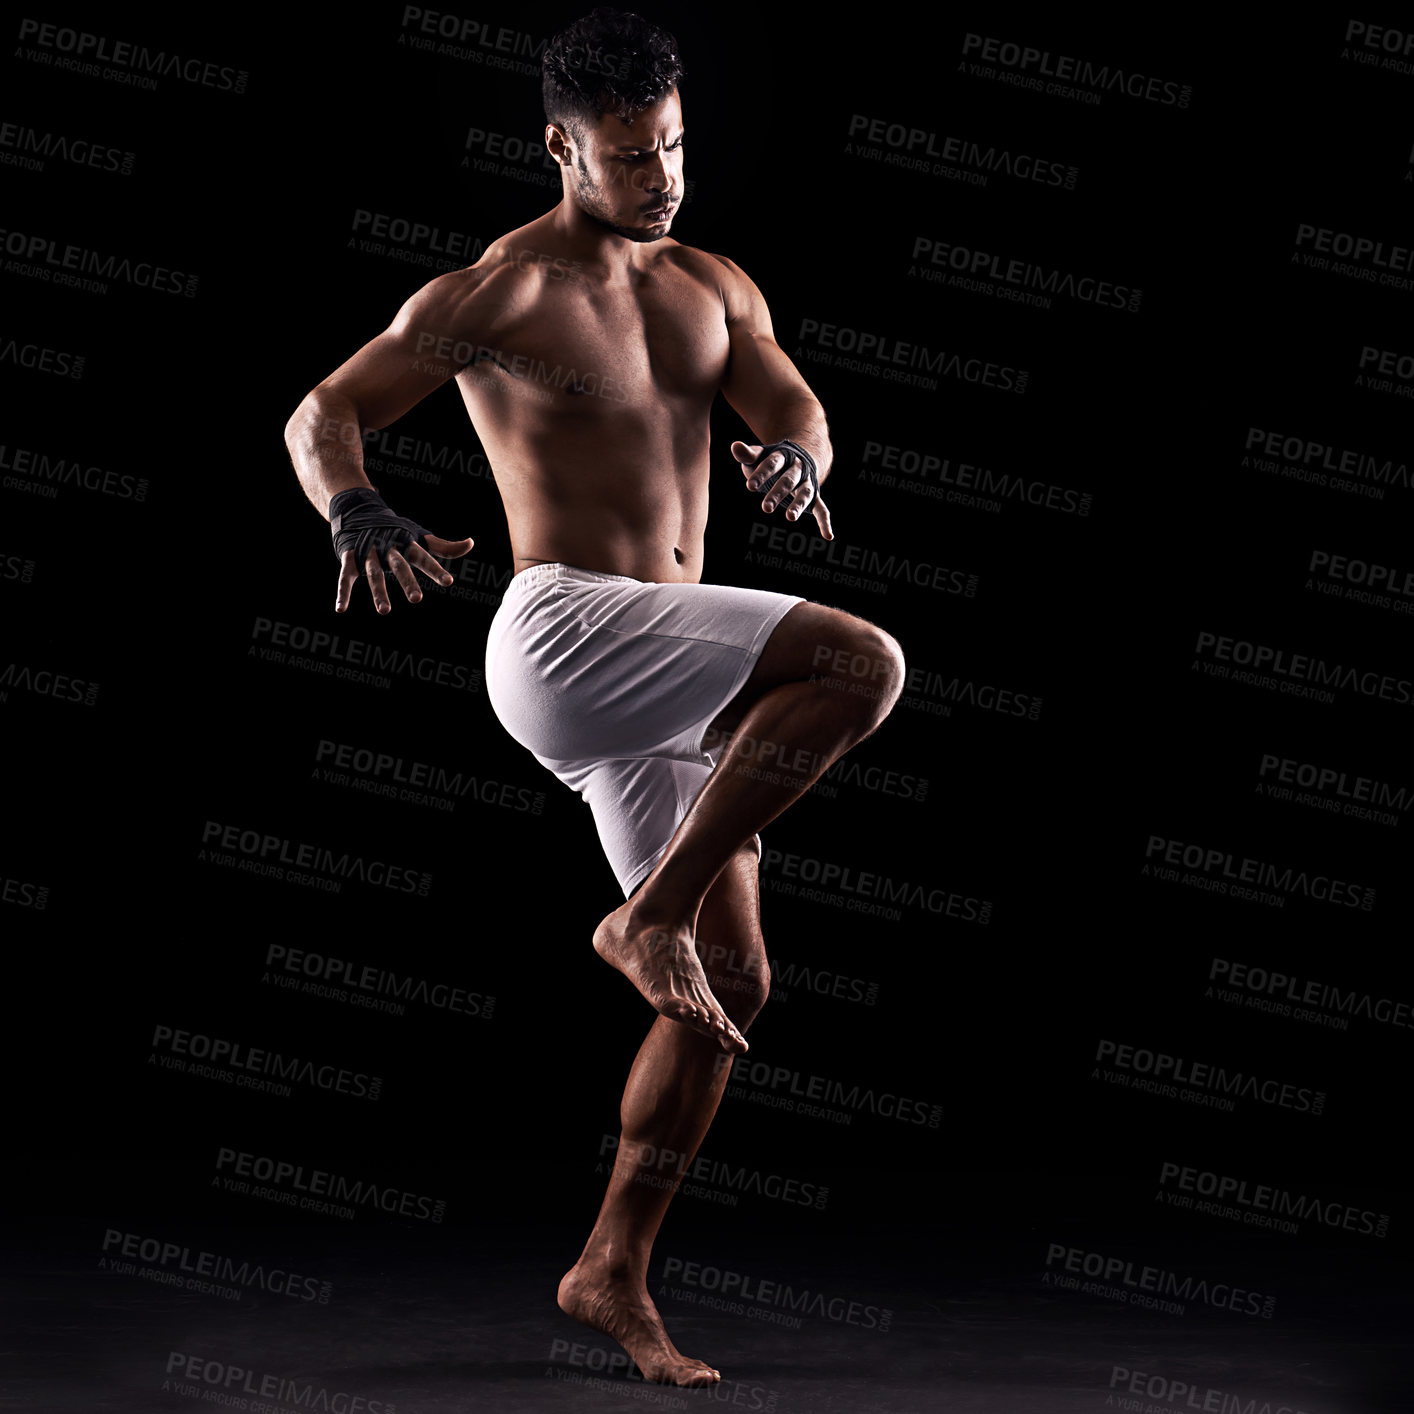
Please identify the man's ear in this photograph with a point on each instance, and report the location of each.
(559, 144)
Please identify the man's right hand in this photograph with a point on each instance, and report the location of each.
(401, 565)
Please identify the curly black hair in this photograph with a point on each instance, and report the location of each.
(608, 62)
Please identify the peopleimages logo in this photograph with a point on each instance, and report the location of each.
(53, 472)
(134, 64)
(29, 148)
(932, 474)
(416, 233)
(1180, 1394)
(380, 986)
(917, 149)
(321, 1190)
(1392, 261)
(244, 1064)
(781, 1295)
(45, 682)
(1280, 987)
(199, 1265)
(273, 854)
(839, 558)
(43, 257)
(1157, 1281)
(228, 1384)
(1262, 1204)
(1203, 1075)
(1086, 73)
(1301, 458)
(1328, 788)
(699, 1175)
(867, 890)
(324, 650)
(797, 1093)
(59, 362)
(981, 270)
(1367, 576)
(1226, 872)
(882, 355)
(1298, 674)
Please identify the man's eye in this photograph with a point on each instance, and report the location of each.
(639, 156)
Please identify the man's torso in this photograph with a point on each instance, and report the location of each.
(591, 396)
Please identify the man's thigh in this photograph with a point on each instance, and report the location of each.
(587, 667)
(810, 642)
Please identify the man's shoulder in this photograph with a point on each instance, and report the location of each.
(444, 295)
(736, 288)
(742, 302)
(706, 263)
(529, 250)
(505, 266)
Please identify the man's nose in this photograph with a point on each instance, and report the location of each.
(655, 175)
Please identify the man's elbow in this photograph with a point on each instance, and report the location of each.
(321, 415)
(301, 419)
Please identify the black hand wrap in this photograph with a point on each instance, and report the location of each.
(807, 462)
(360, 521)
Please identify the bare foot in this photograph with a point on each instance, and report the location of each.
(663, 964)
(626, 1313)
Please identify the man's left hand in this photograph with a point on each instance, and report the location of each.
(793, 490)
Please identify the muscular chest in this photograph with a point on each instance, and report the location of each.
(614, 343)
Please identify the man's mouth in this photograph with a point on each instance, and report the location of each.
(659, 213)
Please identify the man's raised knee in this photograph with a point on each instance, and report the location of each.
(750, 994)
(865, 662)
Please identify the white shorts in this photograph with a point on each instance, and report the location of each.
(612, 682)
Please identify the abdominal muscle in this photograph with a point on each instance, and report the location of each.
(600, 488)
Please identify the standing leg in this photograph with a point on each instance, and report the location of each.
(672, 1094)
(823, 683)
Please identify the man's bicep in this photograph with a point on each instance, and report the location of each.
(761, 380)
(429, 340)
(760, 376)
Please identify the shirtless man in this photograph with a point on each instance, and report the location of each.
(588, 347)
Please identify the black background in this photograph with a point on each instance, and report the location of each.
(159, 602)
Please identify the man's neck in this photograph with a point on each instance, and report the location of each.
(594, 244)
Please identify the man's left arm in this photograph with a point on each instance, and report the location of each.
(766, 390)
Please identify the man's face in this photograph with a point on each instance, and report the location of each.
(627, 175)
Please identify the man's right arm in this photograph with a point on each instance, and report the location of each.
(389, 375)
(414, 356)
